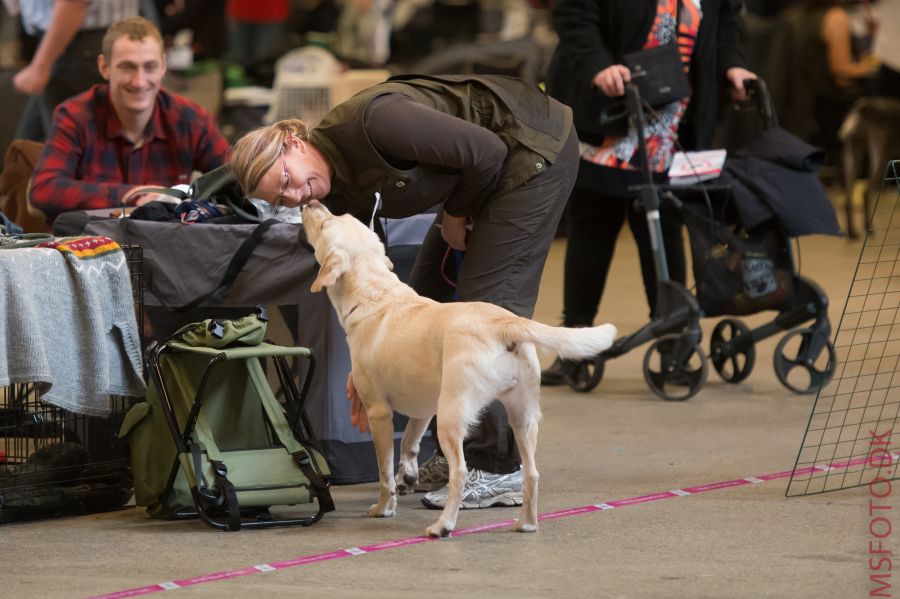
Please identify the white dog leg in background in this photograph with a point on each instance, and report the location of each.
(408, 472)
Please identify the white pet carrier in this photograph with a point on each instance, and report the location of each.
(310, 81)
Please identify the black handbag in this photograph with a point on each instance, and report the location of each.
(658, 74)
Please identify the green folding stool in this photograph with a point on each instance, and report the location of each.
(212, 438)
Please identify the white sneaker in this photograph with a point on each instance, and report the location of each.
(433, 474)
(482, 489)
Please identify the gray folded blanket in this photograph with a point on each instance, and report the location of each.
(68, 323)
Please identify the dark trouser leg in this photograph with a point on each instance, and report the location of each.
(673, 246)
(593, 224)
(75, 71)
(503, 263)
(31, 121)
(888, 82)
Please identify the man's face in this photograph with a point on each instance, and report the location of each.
(134, 71)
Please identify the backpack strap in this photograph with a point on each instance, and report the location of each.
(299, 451)
(203, 487)
(309, 467)
(238, 261)
(227, 489)
(226, 495)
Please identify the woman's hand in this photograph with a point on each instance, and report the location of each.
(454, 230)
(358, 416)
(611, 80)
(736, 77)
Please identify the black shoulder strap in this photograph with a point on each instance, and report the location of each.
(238, 261)
(319, 485)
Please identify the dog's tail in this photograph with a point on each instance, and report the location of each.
(569, 343)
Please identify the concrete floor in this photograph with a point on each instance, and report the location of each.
(618, 442)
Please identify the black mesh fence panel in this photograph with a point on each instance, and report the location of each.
(853, 434)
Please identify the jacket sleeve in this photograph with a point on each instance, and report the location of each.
(404, 130)
(55, 187)
(729, 36)
(578, 24)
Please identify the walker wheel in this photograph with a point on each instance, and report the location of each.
(586, 374)
(733, 365)
(671, 378)
(797, 369)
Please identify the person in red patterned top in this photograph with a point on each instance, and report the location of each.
(108, 145)
(587, 72)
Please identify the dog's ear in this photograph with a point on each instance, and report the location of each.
(336, 263)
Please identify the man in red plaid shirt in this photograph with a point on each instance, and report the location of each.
(111, 143)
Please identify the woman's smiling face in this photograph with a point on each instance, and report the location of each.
(299, 174)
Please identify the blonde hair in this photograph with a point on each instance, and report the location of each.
(255, 152)
(134, 28)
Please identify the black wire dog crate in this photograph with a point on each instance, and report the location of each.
(54, 462)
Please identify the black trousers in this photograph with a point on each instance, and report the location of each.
(888, 82)
(593, 224)
(75, 71)
(503, 263)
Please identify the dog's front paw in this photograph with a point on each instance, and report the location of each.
(382, 511)
(525, 526)
(438, 531)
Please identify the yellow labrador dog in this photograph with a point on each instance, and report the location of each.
(421, 358)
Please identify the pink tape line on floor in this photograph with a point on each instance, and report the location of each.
(587, 509)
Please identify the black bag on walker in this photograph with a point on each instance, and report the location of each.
(738, 272)
(213, 440)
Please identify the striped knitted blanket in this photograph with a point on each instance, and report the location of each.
(69, 323)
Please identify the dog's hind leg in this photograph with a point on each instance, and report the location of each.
(452, 424)
(524, 416)
(408, 472)
(381, 423)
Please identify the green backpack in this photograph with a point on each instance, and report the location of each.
(213, 440)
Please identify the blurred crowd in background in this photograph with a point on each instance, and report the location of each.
(818, 56)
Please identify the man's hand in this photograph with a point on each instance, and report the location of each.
(358, 416)
(611, 80)
(454, 230)
(736, 77)
(138, 196)
(31, 80)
